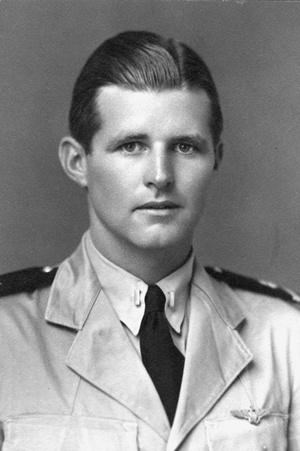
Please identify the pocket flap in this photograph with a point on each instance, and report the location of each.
(68, 433)
(236, 434)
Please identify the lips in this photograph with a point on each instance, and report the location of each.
(163, 205)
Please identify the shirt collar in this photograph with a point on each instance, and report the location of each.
(127, 293)
(76, 288)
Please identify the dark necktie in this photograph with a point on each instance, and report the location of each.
(163, 361)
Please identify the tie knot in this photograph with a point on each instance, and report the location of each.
(154, 299)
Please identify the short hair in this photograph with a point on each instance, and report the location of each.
(138, 60)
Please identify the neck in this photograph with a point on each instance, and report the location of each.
(149, 265)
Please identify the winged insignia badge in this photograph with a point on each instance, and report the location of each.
(254, 416)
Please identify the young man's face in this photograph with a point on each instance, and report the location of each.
(149, 167)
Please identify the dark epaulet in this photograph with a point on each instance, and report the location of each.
(240, 282)
(26, 280)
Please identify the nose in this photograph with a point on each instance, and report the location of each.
(159, 169)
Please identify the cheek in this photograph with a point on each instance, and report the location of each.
(102, 181)
(108, 187)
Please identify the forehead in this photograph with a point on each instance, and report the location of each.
(153, 112)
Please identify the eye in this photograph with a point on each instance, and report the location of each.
(185, 148)
(132, 147)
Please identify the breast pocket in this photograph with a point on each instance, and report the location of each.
(238, 434)
(66, 433)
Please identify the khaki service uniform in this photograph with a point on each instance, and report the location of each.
(71, 379)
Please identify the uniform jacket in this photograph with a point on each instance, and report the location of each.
(70, 379)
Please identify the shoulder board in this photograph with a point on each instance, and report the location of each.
(26, 280)
(241, 282)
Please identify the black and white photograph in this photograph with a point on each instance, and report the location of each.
(149, 225)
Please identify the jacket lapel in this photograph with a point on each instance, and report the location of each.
(103, 355)
(101, 352)
(215, 355)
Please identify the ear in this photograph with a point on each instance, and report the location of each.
(219, 148)
(73, 159)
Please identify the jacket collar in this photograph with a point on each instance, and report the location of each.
(224, 300)
(74, 291)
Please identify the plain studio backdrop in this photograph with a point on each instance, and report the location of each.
(252, 220)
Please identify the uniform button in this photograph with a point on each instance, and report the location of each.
(264, 448)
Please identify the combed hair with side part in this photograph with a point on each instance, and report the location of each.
(138, 60)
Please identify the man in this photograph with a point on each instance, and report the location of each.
(132, 344)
